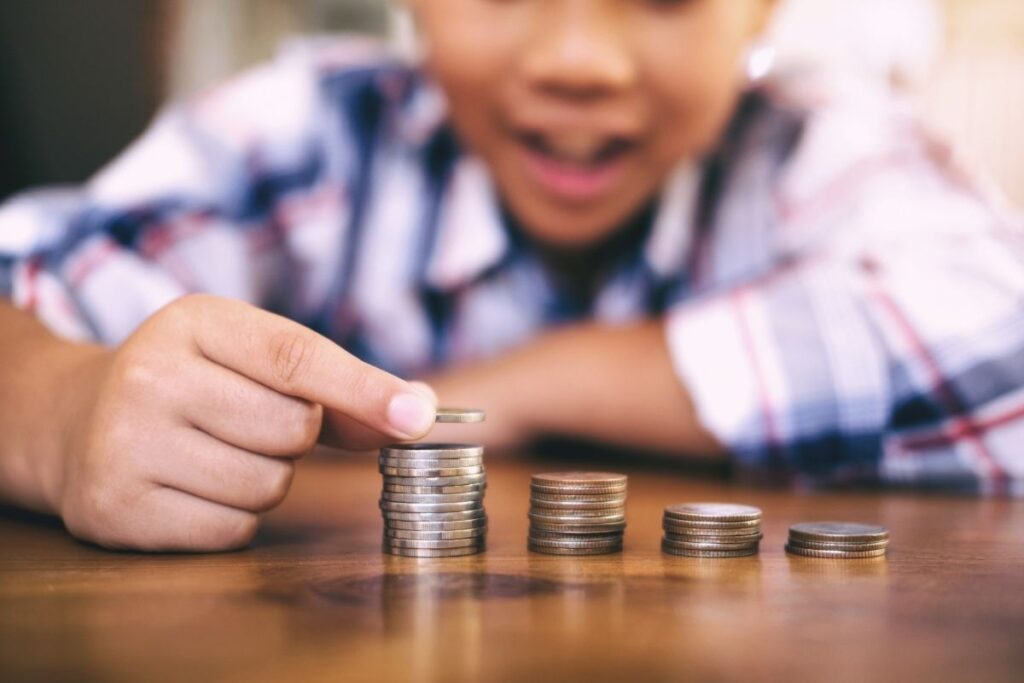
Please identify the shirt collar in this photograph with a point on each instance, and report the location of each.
(666, 247)
(471, 236)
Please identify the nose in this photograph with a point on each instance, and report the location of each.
(579, 50)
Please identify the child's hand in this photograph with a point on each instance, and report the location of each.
(193, 424)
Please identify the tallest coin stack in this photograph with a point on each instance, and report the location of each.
(433, 495)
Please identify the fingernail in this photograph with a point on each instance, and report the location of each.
(411, 415)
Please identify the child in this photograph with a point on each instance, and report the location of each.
(578, 215)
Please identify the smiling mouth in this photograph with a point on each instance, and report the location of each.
(575, 166)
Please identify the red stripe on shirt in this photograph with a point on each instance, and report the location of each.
(739, 299)
(961, 422)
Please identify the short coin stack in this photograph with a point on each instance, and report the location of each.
(837, 540)
(432, 501)
(711, 530)
(577, 513)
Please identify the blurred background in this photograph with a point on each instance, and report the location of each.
(79, 80)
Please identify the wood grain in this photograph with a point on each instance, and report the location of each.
(314, 599)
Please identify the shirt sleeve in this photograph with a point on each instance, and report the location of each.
(223, 194)
(898, 357)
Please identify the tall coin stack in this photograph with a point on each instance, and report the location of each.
(432, 500)
(577, 513)
(711, 530)
(837, 540)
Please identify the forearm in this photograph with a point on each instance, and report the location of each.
(39, 376)
(613, 384)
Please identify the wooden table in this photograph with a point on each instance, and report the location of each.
(314, 599)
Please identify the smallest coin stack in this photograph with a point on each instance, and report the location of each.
(711, 530)
(577, 513)
(837, 540)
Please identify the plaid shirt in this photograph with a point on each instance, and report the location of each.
(840, 303)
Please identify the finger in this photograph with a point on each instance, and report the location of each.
(341, 431)
(294, 360)
(202, 466)
(166, 519)
(244, 413)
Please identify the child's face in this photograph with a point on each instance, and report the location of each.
(582, 107)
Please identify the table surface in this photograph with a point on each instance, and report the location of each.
(314, 598)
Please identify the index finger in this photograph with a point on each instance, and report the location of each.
(294, 360)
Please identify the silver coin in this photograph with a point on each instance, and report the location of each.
(393, 515)
(617, 489)
(432, 471)
(431, 451)
(579, 497)
(572, 543)
(582, 480)
(472, 496)
(435, 526)
(713, 512)
(544, 535)
(430, 464)
(838, 531)
(573, 505)
(586, 517)
(685, 552)
(704, 532)
(724, 526)
(459, 415)
(476, 532)
(480, 478)
(699, 545)
(434, 545)
(824, 545)
(433, 552)
(578, 528)
(549, 550)
(435, 490)
(392, 506)
(835, 554)
(703, 538)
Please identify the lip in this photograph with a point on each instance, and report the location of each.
(571, 183)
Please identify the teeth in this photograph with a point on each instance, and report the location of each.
(576, 147)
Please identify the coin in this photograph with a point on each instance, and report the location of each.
(570, 490)
(465, 480)
(543, 534)
(421, 464)
(392, 506)
(702, 532)
(573, 542)
(583, 517)
(431, 451)
(712, 512)
(436, 535)
(549, 550)
(838, 531)
(432, 491)
(835, 554)
(581, 498)
(685, 552)
(821, 545)
(428, 526)
(435, 545)
(578, 528)
(585, 481)
(472, 496)
(463, 515)
(706, 545)
(459, 415)
(572, 505)
(433, 552)
(432, 472)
